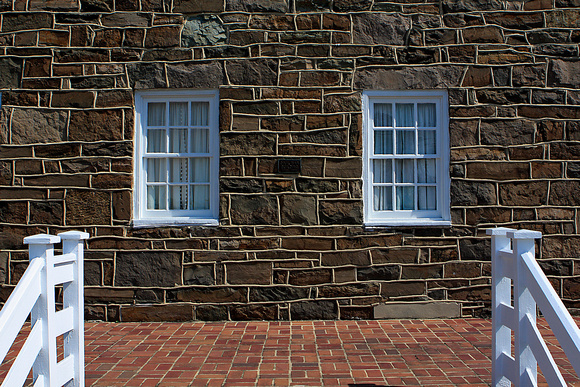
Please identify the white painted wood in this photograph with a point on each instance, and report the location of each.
(64, 320)
(65, 371)
(531, 288)
(62, 274)
(500, 298)
(545, 359)
(525, 307)
(64, 258)
(18, 306)
(74, 341)
(19, 370)
(556, 314)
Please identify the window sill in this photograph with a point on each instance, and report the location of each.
(172, 222)
(407, 223)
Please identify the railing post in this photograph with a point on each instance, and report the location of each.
(41, 246)
(525, 306)
(500, 294)
(74, 341)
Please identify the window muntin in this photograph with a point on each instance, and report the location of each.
(177, 158)
(406, 158)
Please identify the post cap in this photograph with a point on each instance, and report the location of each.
(499, 231)
(41, 239)
(73, 235)
(524, 234)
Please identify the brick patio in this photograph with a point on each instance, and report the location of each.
(314, 353)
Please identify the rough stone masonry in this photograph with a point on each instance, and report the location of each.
(290, 75)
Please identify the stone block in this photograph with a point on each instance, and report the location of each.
(345, 168)
(126, 19)
(398, 289)
(422, 272)
(312, 5)
(51, 213)
(199, 275)
(262, 72)
(396, 255)
(475, 249)
(150, 268)
(307, 243)
(564, 73)
(477, 76)
(349, 290)
(254, 312)
(170, 313)
(254, 209)
(26, 21)
(310, 277)
(272, 22)
(163, 36)
(196, 75)
(487, 34)
(280, 6)
(337, 103)
(379, 273)
(565, 193)
(462, 270)
(415, 77)
(533, 193)
(13, 212)
(342, 258)
(208, 294)
(417, 310)
(248, 144)
(198, 6)
(87, 207)
(340, 212)
(146, 75)
(109, 295)
(314, 310)
(472, 193)
(278, 293)
(205, 30)
(498, 171)
(211, 313)
(30, 126)
(298, 209)
(96, 125)
(379, 28)
(245, 273)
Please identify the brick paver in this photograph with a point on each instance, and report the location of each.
(299, 353)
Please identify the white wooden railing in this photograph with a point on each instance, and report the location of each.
(514, 263)
(35, 296)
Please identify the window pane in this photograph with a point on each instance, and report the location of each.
(177, 140)
(200, 141)
(382, 171)
(383, 198)
(178, 113)
(199, 113)
(405, 115)
(426, 171)
(383, 114)
(156, 170)
(383, 142)
(178, 197)
(178, 170)
(405, 142)
(427, 198)
(404, 171)
(156, 141)
(427, 142)
(200, 170)
(200, 197)
(426, 115)
(405, 198)
(156, 197)
(156, 114)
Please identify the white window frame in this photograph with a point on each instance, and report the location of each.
(440, 217)
(142, 217)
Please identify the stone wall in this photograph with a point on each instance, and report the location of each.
(290, 75)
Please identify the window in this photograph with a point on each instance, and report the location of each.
(176, 158)
(406, 153)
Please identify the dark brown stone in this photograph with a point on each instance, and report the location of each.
(254, 312)
(523, 193)
(51, 213)
(196, 75)
(298, 209)
(198, 6)
(242, 273)
(108, 295)
(314, 310)
(147, 75)
(345, 168)
(95, 125)
(199, 275)
(379, 28)
(565, 193)
(164, 36)
(395, 255)
(340, 212)
(254, 209)
(379, 273)
(498, 171)
(462, 270)
(350, 290)
(126, 19)
(272, 22)
(310, 277)
(177, 313)
(409, 77)
(277, 293)
(208, 294)
(253, 72)
(87, 207)
(248, 144)
(357, 258)
(564, 73)
(148, 269)
(335, 103)
(78, 99)
(477, 76)
(399, 289)
(26, 21)
(31, 126)
(422, 272)
(211, 313)
(472, 193)
(13, 212)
